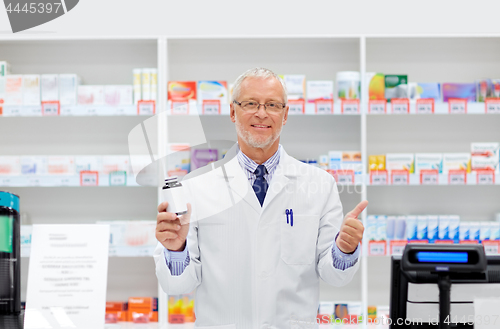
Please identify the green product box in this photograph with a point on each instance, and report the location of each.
(6, 233)
(396, 86)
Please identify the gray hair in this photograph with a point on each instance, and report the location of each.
(257, 72)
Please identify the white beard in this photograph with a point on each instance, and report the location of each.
(248, 138)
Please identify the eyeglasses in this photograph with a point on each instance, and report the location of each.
(252, 107)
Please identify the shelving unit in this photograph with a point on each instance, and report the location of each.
(98, 61)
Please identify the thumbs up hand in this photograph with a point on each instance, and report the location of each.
(351, 230)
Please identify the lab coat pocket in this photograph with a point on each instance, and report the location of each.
(298, 241)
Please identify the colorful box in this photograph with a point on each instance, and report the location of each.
(456, 161)
(137, 86)
(459, 90)
(396, 86)
(400, 161)
(422, 227)
(10, 165)
(202, 157)
(181, 308)
(485, 149)
(212, 90)
(60, 165)
(429, 90)
(33, 165)
(88, 163)
(4, 68)
(181, 90)
(376, 86)
(146, 84)
(428, 161)
(432, 228)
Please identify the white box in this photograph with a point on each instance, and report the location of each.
(484, 162)
(475, 231)
(14, 90)
(60, 165)
(335, 160)
(495, 231)
(444, 227)
(295, 85)
(137, 85)
(317, 90)
(91, 95)
(428, 161)
(212, 90)
(464, 231)
(455, 161)
(399, 161)
(116, 95)
(371, 228)
(411, 227)
(422, 227)
(484, 231)
(432, 228)
(33, 165)
(88, 163)
(454, 227)
(485, 149)
(10, 165)
(4, 68)
(146, 84)
(49, 87)
(114, 163)
(68, 89)
(31, 89)
(381, 228)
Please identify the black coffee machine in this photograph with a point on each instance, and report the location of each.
(10, 262)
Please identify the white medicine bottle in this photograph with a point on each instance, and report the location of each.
(173, 193)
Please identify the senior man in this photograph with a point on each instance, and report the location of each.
(261, 228)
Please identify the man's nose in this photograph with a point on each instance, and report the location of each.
(261, 111)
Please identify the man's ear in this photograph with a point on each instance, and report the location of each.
(285, 117)
(232, 115)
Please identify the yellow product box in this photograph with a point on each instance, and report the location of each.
(376, 162)
(181, 308)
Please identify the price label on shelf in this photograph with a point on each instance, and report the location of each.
(457, 177)
(350, 106)
(444, 242)
(491, 247)
(12, 111)
(492, 105)
(377, 248)
(91, 111)
(345, 177)
(397, 246)
(296, 106)
(400, 177)
(62, 181)
(51, 108)
(33, 181)
(400, 105)
(147, 107)
(485, 177)
(429, 176)
(377, 106)
(457, 105)
(468, 242)
(89, 178)
(378, 177)
(5, 181)
(425, 106)
(118, 178)
(323, 106)
(180, 107)
(210, 107)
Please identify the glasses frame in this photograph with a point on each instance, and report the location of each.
(258, 107)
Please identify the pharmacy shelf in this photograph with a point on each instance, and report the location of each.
(146, 251)
(440, 108)
(119, 179)
(440, 180)
(76, 110)
(310, 109)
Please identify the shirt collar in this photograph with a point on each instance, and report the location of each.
(251, 165)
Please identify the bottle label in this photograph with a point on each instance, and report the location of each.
(6, 234)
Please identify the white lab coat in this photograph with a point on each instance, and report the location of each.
(249, 267)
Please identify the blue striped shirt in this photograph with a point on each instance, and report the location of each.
(177, 261)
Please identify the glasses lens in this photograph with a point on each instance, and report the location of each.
(249, 105)
(274, 106)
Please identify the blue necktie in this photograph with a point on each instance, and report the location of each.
(260, 184)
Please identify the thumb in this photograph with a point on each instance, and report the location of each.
(358, 209)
